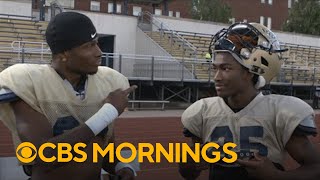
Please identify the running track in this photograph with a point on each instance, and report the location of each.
(162, 130)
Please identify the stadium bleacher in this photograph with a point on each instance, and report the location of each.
(301, 64)
(176, 49)
(22, 40)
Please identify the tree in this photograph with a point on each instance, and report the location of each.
(211, 10)
(304, 17)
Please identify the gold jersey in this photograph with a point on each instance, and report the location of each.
(46, 92)
(265, 125)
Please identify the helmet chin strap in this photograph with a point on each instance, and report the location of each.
(260, 83)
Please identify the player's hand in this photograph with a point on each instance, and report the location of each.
(259, 167)
(191, 164)
(125, 174)
(119, 98)
(191, 169)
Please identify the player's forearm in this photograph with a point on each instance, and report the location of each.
(109, 166)
(79, 134)
(189, 171)
(306, 172)
(85, 132)
(114, 167)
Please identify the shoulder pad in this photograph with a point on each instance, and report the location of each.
(6, 96)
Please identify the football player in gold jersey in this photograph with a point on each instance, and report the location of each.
(70, 101)
(265, 128)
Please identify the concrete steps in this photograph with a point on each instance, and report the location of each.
(176, 50)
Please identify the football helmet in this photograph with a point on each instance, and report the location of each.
(253, 45)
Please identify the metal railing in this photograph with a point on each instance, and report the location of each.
(154, 68)
(56, 8)
(195, 34)
(147, 46)
(22, 47)
(14, 16)
(163, 29)
(149, 67)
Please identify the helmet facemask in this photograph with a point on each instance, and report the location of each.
(252, 45)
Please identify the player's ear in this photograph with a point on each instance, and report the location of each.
(64, 56)
(252, 77)
(249, 75)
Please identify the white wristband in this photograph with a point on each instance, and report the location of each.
(121, 165)
(102, 118)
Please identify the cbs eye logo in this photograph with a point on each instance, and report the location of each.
(26, 152)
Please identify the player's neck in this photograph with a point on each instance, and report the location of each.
(242, 99)
(73, 78)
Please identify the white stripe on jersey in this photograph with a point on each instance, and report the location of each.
(308, 122)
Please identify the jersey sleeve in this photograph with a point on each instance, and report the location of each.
(17, 78)
(117, 81)
(113, 77)
(122, 82)
(307, 127)
(192, 119)
(6, 96)
(292, 113)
